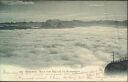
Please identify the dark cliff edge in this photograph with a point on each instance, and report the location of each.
(117, 67)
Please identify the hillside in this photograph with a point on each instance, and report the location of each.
(120, 67)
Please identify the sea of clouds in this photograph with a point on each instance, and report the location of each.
(74, 47)
(87, 50)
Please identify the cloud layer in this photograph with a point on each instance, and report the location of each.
(79, 47)
(16, 2)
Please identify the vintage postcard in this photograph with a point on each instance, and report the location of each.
(61, 40)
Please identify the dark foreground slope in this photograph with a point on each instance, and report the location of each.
(120, 67)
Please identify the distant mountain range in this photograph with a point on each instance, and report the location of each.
(51, 24)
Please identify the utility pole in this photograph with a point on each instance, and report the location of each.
(126, 58)
(113, 56)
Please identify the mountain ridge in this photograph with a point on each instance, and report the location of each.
(56, 23)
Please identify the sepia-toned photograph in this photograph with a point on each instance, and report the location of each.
(61, 40)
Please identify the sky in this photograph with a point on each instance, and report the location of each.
(35, 10)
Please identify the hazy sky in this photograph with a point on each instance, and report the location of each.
(22, 10)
